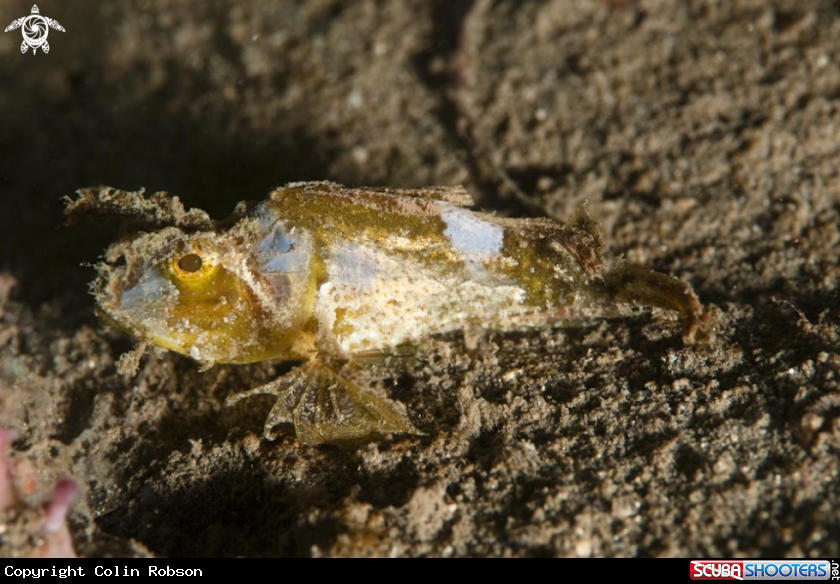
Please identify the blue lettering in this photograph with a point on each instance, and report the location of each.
(821, 572)
(767, 570)
(790, 570)
(759, 570)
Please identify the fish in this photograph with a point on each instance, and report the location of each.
(337, 277)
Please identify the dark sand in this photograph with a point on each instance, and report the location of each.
(704, 137)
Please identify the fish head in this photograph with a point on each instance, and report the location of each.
(212, 296)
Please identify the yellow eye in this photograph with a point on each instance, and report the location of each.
(190, 263)
(192, 267)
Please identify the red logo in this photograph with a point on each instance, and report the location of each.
(711, 570)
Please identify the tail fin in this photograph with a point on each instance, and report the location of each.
(640, 286)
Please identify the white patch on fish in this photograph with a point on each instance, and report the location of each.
(473, 237)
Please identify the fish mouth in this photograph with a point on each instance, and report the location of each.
(142, 310)
(131, 292)
(113, 306)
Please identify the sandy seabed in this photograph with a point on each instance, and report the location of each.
(702, 135)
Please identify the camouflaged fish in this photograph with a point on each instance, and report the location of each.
(334, 276)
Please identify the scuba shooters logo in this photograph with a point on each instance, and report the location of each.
(764, 570)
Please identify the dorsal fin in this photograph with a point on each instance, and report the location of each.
(456, 195)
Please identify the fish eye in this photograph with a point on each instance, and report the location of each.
(190, 263)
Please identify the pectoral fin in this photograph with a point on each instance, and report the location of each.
(327, 407)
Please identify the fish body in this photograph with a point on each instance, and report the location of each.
(333, 276)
